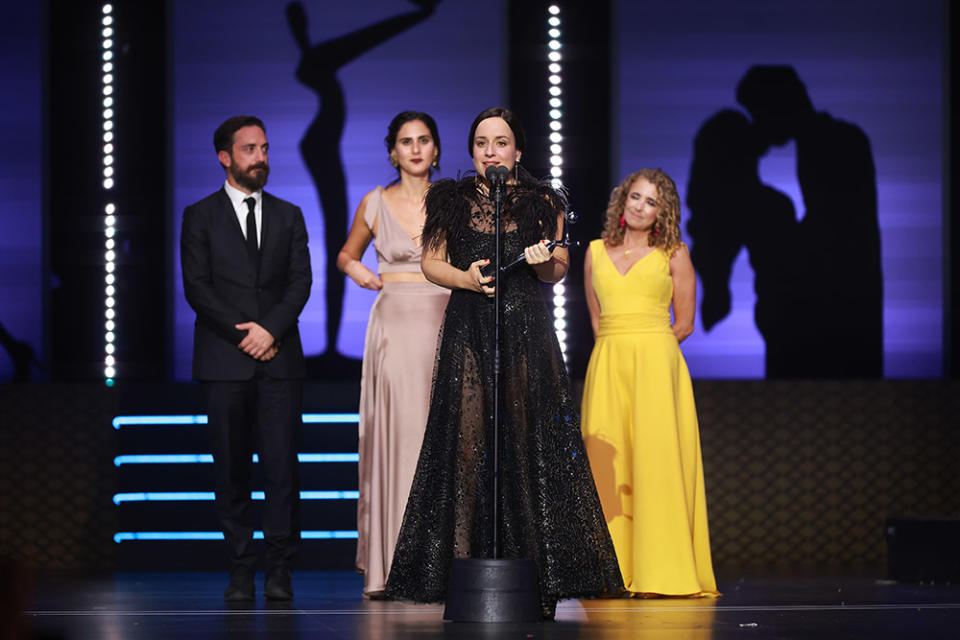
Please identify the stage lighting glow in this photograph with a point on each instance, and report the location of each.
(107, 90)
(109, 349)
(107, 68)
(559, 289)
(109, 290)
(108, 148)
(110, 326)
(176, 420)
(108, 136)
(108, 336)
(108, 172)
(109, 301)
(110, 269)
(555, 79)
(107, 32)
(108, 102)
(108, 43)
(209, 496)
(109, 361)
(207, 458)
(132, 536)
(108, 183)
(107, 8)
(109, 372)
(108, 55)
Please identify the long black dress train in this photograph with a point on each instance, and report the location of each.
(549, 507)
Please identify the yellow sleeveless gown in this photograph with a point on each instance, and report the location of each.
(641, 433)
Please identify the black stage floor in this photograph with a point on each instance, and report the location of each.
(188, 606)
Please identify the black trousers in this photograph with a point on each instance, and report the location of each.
(269, 408)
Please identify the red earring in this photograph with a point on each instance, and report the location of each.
(656, 230)
(623, 220)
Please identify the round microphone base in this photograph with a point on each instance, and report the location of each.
(493, 590)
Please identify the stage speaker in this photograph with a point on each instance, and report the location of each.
(923, 549)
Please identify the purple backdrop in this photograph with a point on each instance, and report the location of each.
(869, 62)
(242, 60)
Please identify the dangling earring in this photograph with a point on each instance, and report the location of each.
(393, 160)
(516, 171)
(623, 220)
(436, 162)
(656, 230)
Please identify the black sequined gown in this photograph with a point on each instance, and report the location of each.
(550, 511)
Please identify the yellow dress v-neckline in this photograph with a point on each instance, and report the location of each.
(630, 268)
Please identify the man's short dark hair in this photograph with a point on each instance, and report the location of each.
(223, 136)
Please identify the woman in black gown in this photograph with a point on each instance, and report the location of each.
(549, 509)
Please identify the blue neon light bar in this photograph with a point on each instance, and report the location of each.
(130, 536)
(187, 496)
(206, 458)
(178, 420)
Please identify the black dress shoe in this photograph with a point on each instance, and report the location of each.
(240, 588)
(278, 586)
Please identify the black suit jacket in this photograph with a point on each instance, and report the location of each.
(223, 286)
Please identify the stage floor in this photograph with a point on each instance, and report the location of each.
(188, 606)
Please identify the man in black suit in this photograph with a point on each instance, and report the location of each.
(246, 273)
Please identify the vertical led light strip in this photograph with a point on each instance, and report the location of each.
(556, 154)
(110, 218)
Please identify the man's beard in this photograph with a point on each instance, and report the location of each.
(253, 178)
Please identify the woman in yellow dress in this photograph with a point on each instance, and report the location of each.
(639, 418)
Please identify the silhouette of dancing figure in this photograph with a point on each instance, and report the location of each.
(731, 208)
(821, 276)
(320, 145)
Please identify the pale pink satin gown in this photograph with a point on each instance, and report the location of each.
(398, 359)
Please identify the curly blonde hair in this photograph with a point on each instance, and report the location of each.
(667, 225)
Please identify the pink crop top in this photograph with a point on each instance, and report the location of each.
(396, 251)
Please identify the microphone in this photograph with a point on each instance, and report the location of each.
(497, 174)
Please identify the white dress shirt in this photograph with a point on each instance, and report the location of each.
(237, 198)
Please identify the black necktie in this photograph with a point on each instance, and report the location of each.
(252, 247)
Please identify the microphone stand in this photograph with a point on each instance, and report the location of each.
(494, 589)
(496, 186)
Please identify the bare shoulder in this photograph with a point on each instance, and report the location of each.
(680, 258)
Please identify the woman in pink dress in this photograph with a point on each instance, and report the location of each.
(401, 341)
